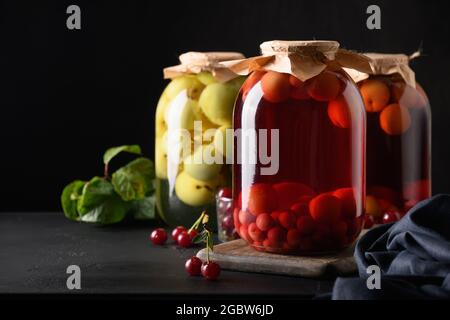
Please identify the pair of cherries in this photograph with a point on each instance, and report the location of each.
(180, 235)
(209, 270)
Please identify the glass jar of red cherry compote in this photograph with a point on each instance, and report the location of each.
(398, 138)
(298, 175)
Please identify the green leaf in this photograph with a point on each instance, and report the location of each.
(112, 152)
(95, 192)
(99, 203)
(135, 180)
(112, 210)
(69, 199)
(144, 209)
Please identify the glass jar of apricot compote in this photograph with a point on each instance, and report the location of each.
(398, 137)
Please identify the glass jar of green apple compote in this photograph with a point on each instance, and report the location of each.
(192, 151)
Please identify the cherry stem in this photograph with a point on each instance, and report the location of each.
(197, 222)
(203, 219)
(207, 247)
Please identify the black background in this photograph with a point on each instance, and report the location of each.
(66, 96)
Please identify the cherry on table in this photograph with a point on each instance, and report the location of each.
(210, 270)
(176, 232)
(158, 236)
(224, 193)
(193, 266)
(193, 233)
(184, 239)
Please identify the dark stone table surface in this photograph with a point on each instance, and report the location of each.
(37, 248)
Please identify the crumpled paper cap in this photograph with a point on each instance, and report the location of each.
(387, 64)
(303, 59)
(195, 62)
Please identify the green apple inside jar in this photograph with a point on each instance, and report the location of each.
(192, 152)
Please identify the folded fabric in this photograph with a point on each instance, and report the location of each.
(413, 256)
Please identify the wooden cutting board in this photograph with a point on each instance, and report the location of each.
(239, 256)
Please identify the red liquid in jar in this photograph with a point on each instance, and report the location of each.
(398, 163)
(315, 202)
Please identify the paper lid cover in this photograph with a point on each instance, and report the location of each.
(387, 64)
(195, 62)
(302, 59)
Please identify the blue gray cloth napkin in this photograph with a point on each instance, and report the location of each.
(412, 254)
